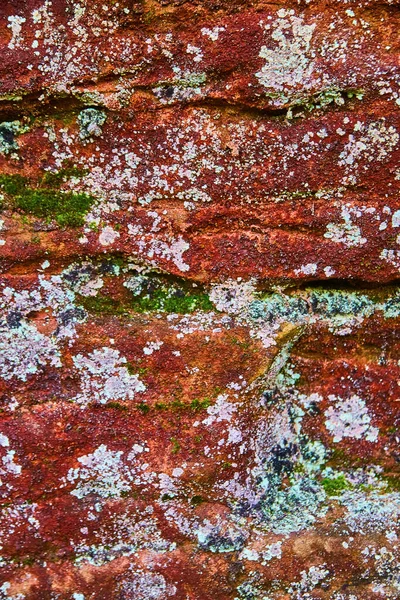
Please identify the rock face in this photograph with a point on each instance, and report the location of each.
(199, 301)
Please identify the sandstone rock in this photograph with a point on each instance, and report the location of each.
(199, 302)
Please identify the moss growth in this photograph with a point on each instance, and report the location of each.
(117, 406)
(333, 486)
(142, 371)
(55, 179)
(392, 482)
(198, 405)
(159, 301)
(195, 405)
(143, 408)
(176, 447)
(226, 465)
(65, 117)
(148, 293)
(160, 406)
(28, 561)
(323, 99)
(67, 208)
(172, 301)
(197, 500)
(166, 497)
(13, 184)
(340, 459)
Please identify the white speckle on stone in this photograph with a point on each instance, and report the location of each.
(396, 219)
(329, 271)
(391, 256)
(346, 233)
(222, 410)
(308, 269)
(4, 441)
(177, 472)
(198, 55)
(15, 23)
(213, 34)
(152, 347)
(108, 236)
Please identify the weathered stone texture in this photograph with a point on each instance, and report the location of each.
(199, 302)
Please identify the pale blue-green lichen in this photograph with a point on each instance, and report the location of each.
(91, 121)
(8, 132)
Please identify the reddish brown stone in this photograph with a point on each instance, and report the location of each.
(199, 303)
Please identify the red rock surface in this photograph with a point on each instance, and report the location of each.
(199, 302)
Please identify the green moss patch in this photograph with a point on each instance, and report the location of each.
(392, 482)
(172, 301)
(164, 294)
(66, 208)
(46, 200)
(55, 179)
(333, 486)
(152, 294)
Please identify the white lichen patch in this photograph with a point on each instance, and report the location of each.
(369, 143)
(289, 62)
(264, 316)
(372, 511)
(104, 376)
(5, 592)
(213, 33)
(308, 269)
(391, 256)
(23, 351)
(309, 581)
(105, 473)
(396, 219)
(171, 249)
(222, 410)
(15, 23)
(9, 467)
(124, 534)
(2, 242)
(84, 279)
(151, 347)
(195, 51)
(8, 132)
(346, 233)
(233, 297)
(147, 585)
(49, 294)
(108, 236)
(201, 321)
(24, 348)
(349, 418)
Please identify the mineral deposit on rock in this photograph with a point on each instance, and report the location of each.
(199, 300)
